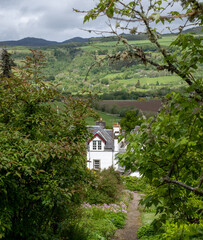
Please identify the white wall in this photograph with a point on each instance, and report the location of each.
(106, 159)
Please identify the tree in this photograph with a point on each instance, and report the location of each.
(6, 63)
(138, 84)
(167, 150)
(43, 155)
(130, 120)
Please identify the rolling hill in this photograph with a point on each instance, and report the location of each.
(39, 42)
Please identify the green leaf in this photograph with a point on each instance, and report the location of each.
(110, 12)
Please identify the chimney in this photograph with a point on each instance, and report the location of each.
(101, 123)
(116, 130)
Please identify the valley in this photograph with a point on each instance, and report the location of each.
(84, 67)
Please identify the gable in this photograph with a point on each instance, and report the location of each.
(97, 136)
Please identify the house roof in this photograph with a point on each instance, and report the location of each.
(106, 134)
(98, 134)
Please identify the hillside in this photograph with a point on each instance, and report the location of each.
(29, 41)
(39, 42)
(69, 66)
(197, 30)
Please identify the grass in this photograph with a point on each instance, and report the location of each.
(108, 118)
(148, 215)
(166, 41)
(163, 80)
(166, 80)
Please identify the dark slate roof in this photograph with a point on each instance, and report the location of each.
(106, 134)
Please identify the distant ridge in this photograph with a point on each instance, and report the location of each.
(76, 39)
(29, 42)
(197, 30)
(39, 42)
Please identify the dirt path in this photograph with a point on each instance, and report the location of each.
(129, 232)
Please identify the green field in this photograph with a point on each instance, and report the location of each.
(166, 41)
(166, 80)
(108, 118)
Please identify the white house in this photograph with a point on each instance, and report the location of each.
(103, 147)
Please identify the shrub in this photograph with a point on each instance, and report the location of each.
(75, 231)
(135, 184)
(147, 232)
(171, 231)
(118, 219)
(183, 231)
(102, 220)
(42, 168)
(105, 187)
(101, 229)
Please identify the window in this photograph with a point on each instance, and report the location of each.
(94, 145)
(97, 145)
(96, 164)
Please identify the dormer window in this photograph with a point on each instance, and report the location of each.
(94, 145)
(97, 145)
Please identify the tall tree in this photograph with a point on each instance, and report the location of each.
(42, 155)
(6, 63)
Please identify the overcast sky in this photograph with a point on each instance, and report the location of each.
(48, 19)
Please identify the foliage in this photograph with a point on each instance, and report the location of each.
(75, 231)
(43, 166)
(102, 220)
(104, 187)
(147, 232)
(96, 221)
(186, 232)
(168, 156)
(118, 219)
(101, 229)
(135, 184)
(171, 231)
(131, 120)
(6, 63)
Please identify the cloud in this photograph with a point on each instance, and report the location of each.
(48, 19)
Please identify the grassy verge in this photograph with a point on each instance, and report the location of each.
(148, 215)
(169, 230)
(99, 221)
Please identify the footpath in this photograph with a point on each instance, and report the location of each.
(133, 222)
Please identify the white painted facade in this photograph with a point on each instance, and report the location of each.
(103, 147)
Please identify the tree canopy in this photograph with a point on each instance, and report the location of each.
(42, 152)
(130, 120)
